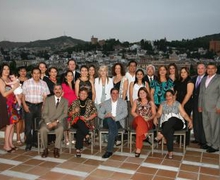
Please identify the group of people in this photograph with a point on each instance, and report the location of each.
(90, 99)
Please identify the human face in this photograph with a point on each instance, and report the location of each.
(5, 71)
(69, 77)
(150, 71)
(72, 65)
(162, 71)
(184, 74)
(103, 72)
(13, 77)
(118, 69)
(132, 68)
(42, 68)
(36, 75)
(201, 69)
(22, 73)
(53, 73)
(142, 94)
(84, 72)
(172, 70)
(91, 71)
(140, 75)
(83, 95)
(169, 96)
(58, 91)
(114, 95)
(211, 70)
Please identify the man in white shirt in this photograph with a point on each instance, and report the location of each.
(113, 112)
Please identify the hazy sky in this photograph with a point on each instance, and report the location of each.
(126, 20)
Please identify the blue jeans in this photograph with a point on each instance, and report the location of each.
(112, 127)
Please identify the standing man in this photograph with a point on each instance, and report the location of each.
(71, 65)
(209, 105)
(150, 74)
(34, 93)
(54, 115)
(197, 116)
(130, 75)
(113, 112)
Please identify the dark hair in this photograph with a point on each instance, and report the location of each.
(84, 66)
(13, 73)
(84, 89)
(212, 64)
(2, 67)
(145, 90)
(113, 89)
(71, 60)
(57, 84)
(122, 69)
(187, 70)
(176, 70)
(170, 91)
(42, 63)
(35, 68)
(52, 68)
(22, 67)
(93, 66)
(132, 61)
(158, 73)
(65, 81)
(136, 80)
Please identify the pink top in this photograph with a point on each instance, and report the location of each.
(68, 93)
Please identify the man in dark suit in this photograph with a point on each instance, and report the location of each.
(71, 65)
(197, 116)
(209, 105)
(150, 74)
(54, 114)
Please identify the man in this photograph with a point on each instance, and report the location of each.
(130, 75)
(197, 116)
(113, 112)
(209, 105)
(150, 74)
(34, 93)
(54, 114)
(71, 65)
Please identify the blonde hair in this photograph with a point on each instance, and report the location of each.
(103, 67)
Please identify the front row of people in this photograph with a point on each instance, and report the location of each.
(113, 113)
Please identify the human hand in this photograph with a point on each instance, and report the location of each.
(26, 108)
(199, 109)
(190, 125)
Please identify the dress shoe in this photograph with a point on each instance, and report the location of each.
(28, 147)
(107, 155)
(205, 146)
(56, 153)
(45, 153)
(211, 150)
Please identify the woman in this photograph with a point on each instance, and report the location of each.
(173, 72)
(184, 91)
(172, 118)
(103, 85)
(119, 80)
(82, 112)
(160, 86)
(22, 72)
(84, 81)
(136, 85)
(69, 94)
(92, 73)
(143, 111)
(9, 115)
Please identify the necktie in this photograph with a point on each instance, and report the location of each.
(198, 81)
(58, 101)
(151, 79)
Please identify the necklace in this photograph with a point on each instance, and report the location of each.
(82, 106)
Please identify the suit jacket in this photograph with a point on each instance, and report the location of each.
(121, 112)
(148, 80)
(209, 98)
(196, 91)
(50, 113)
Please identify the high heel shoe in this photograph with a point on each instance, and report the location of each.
(170, 155)
(14, 148)
(137, 154)
(78, 153)
(8, 151)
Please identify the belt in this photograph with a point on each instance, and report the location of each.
(35, 104)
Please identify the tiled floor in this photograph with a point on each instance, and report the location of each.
(195, 164)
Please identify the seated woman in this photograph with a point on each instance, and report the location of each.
(143, 110)
(82, 113)
(173, 118)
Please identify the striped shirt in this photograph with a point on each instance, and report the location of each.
(35, 91)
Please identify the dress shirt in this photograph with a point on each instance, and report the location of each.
(114, 108)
